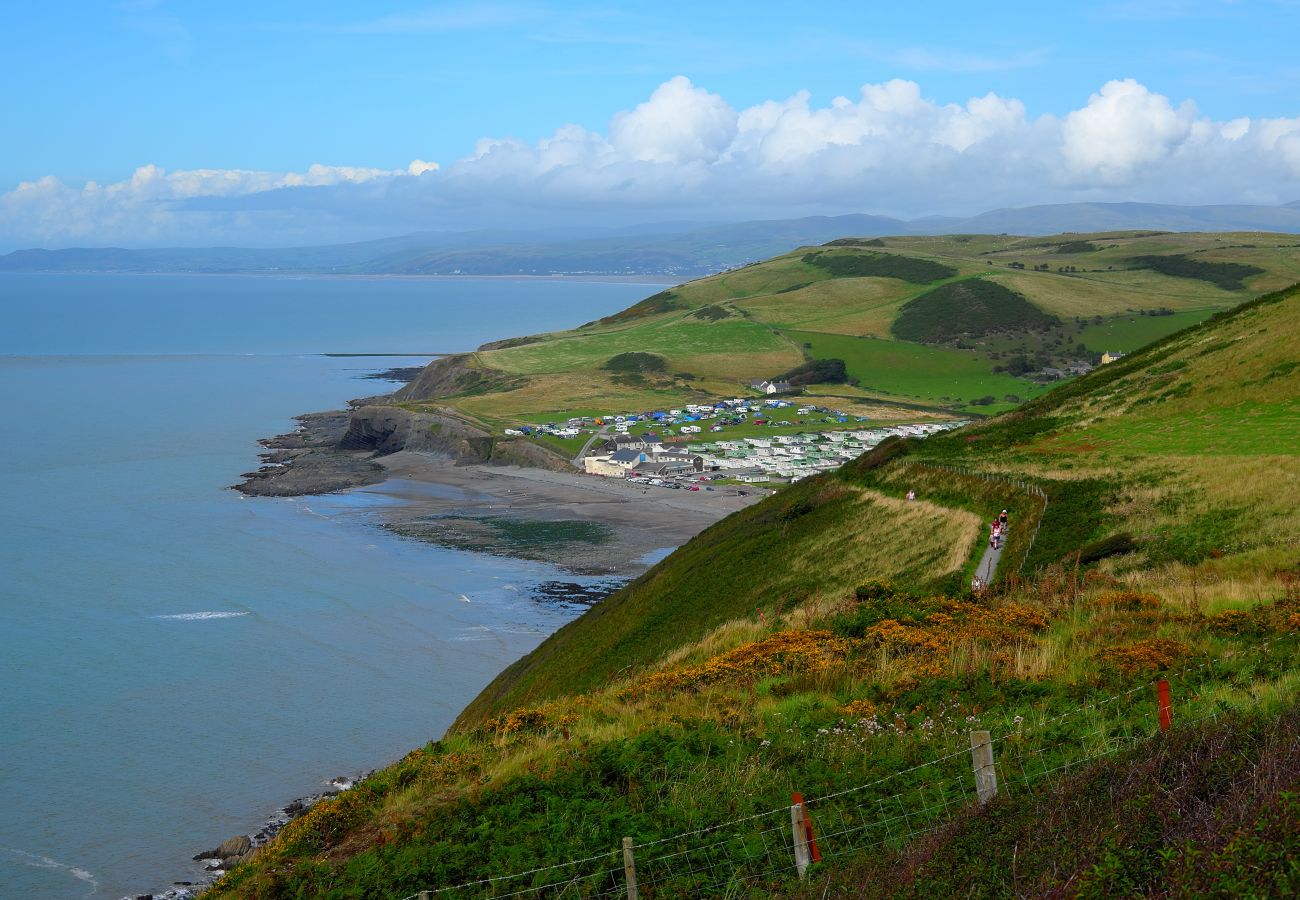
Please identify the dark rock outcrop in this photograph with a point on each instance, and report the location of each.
(382, 430)
(234, 847)
(333, 451)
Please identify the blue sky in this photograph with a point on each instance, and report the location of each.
(94, 92)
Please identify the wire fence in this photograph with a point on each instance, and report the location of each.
(764, 849)
(1020, 484)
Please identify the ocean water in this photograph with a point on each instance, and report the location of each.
(177, 661)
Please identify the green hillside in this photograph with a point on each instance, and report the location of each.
(988, 309)
(825, 641)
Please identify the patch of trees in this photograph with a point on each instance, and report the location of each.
(971, 308)
(1019, 365)
(817, 371)
(1229, 276)
(1162, 311)
(635, 362)
(879, 265)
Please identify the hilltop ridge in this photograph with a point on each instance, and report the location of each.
(671, 249)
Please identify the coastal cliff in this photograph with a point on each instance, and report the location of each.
(333, 451)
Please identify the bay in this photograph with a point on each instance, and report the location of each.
(177, 660)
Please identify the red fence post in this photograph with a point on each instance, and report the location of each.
(1166, 706)
(816, 855)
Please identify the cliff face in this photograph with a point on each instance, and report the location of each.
(337, 450)
(382, 430)
(456, 374)
(324, 455)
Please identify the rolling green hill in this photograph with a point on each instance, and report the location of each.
(987, 308)
(825, 641)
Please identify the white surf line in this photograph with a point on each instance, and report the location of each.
(202, 616)
(37, 861)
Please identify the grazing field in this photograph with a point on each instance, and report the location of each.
(1129, 332)
(933, 375)
(675, 338)
(984, 302)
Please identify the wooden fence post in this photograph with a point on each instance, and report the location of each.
(814, 854)
(424, 895)
(629, 870)
(800, 837)
(1166, 705)
(986, 777)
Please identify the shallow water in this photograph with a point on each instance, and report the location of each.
(177, 661)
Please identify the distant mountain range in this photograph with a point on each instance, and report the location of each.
(676, 249)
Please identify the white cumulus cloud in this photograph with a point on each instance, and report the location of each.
(1123, 127)
(680, 123)
(686, 152)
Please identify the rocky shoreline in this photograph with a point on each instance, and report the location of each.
(242, 847)
(337, 450)
(453, 484)
(308, 460)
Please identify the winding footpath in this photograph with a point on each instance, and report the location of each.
(989, 562)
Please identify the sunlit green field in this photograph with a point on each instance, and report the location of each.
(930, 374)
(1127, 333)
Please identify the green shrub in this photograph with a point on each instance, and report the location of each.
(636, 362)
(1112, 545)
(817, 371)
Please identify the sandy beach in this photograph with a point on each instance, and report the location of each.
(437, 500)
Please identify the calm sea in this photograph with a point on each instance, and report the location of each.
(177, 661)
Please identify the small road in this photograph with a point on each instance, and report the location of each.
(597, 435)
(989, 562)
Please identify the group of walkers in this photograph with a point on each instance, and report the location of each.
(998, 530)
(997, 534)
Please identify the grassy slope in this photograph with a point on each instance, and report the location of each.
(775, 307)
(711, 714)
(817, 538)
(1211, 811)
